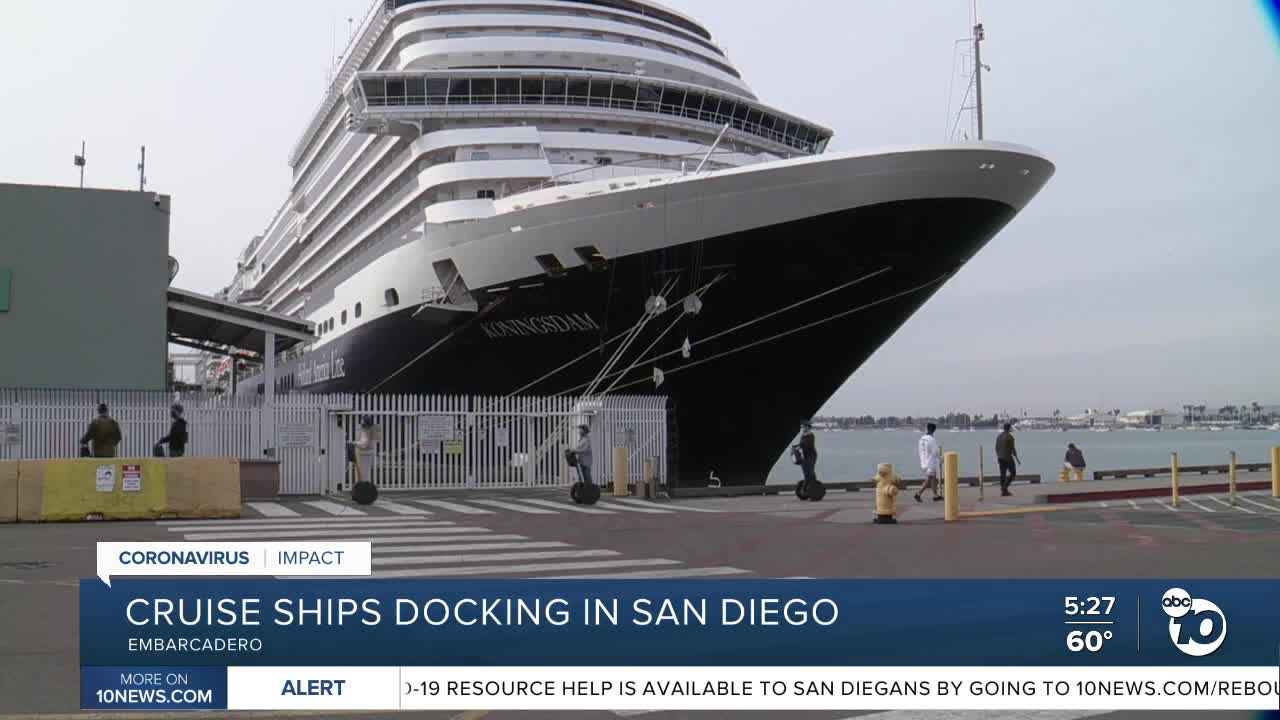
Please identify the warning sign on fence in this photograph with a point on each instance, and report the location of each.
(435, 429)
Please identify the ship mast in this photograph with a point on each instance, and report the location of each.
(978, 35)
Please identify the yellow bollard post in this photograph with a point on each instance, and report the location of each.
(951, 486)
(619, 471)
(1173, 473)
(649, 490)
(1063, 475)
(1275, 472)
(1232, 478)
(1079, 474)
(982, 494)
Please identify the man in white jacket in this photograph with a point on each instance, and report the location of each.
(930, 462)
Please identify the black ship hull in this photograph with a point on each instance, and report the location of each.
(791, 312)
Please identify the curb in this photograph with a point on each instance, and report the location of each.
(1166, 491)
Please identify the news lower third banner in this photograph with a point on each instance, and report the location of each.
(285, 644)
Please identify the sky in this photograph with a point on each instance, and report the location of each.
(1143, 275)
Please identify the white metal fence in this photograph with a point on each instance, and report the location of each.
(441, 442)
(425, 441)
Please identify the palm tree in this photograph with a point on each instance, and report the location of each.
(1257, 409)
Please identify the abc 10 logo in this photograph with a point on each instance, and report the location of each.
(1197, 626)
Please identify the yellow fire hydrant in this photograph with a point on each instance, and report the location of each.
(888, 483)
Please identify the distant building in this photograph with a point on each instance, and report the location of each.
(83, 281)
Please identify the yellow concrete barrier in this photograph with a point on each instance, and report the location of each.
(203, 487)
(126, 489)
(9, 491)
(619, 471)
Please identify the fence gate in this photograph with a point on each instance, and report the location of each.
(463, 442)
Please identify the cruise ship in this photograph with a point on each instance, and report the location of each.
(549, 197)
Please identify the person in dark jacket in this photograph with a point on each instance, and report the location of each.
(177, 437)
(1075, 457)
(808, 454)
(103, 433)
(1007, 458)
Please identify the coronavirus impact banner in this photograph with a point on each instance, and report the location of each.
(288, 643)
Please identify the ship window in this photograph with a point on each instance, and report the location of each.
(437, 89)
(555, 89)
(485, 195)
(508, 91)
(415, 89)
(624, 95)
(482, 91)
(391, 297)
(531, 90)
(600, 92)
(692, 105)
(357, 310)
(550, 265)
(672, 100)
(604, 161)
(344, 317)
(395, 92)
(480, 155)
(647, 97)
(331, 323)
(592, 258)
(460, 91)
(579, 91)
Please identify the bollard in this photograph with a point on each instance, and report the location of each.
(1173, 473)
(951, 486)
(1063, 474)
(981, 483)
(619, 471)
(1232, 478)
(1079, 474)
(649, 490)
(1275, 472)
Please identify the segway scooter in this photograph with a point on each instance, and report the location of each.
(582, 492)
(806, 490)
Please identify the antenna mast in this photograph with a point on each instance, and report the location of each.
(142, 171)
(978, 35)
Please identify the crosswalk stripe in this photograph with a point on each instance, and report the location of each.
(515, 508)
(524, 569)
(1103, 505)
(399, 509)
(328, 533)
(666, 506)
(633, 508)
(569, 506)
(463, 559)
(402, 539)
(315, 523)
(1166, 506)
(453, 507)
(454, 547)
(286, 521)
(1237, 507)
(272, 509)
(656, 574)
(1202, 507)
(1261, 505)
(333, 508)
(1133, 503)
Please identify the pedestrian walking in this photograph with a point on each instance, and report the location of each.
(930, 462)
(103, 434)
(1007, 457)
(177, 437)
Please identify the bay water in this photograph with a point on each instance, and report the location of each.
(854, 454)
